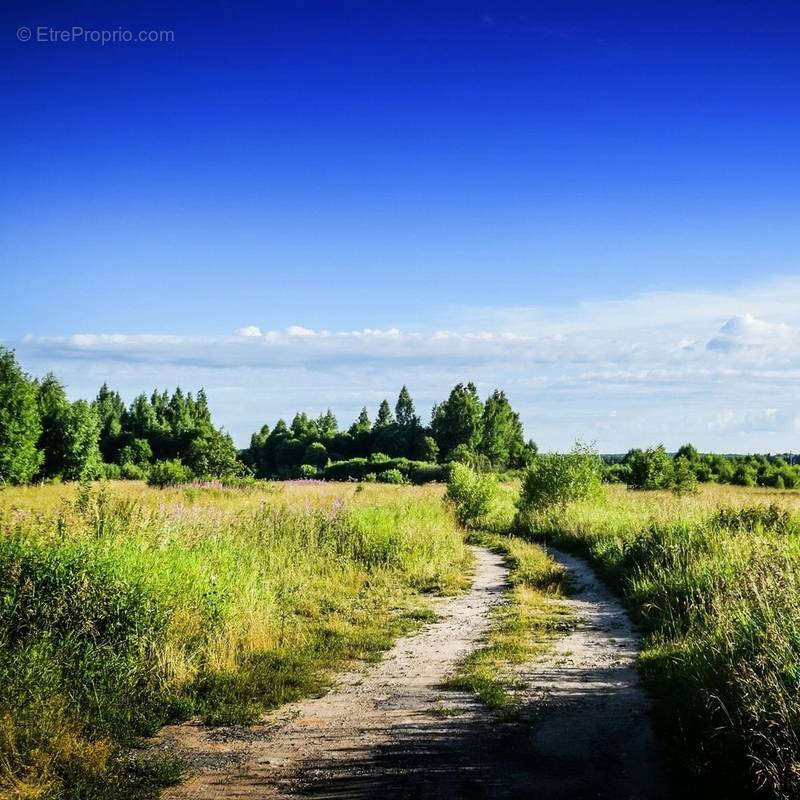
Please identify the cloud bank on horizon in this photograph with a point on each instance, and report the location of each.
(718, 369)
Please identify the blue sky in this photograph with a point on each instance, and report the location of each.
(570, 200)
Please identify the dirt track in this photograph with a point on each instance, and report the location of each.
(583, 732)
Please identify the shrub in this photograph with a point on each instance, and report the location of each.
(553, 480)
(470, 493)
(684, 479)
(357, 469)
(307, 471)
(423, 472)
(169, 473)
(392, 476)
(316, 455)
(111, 472)
(132, 472)
(649, 469)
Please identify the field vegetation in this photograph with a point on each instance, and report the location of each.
(713, 577)
(124, 607)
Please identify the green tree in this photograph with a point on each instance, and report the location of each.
(689, 452)
(82, 459)
(429, 450)
(304, 428)
(384, 418)
(502, 440)
(327, 425)
(20, 427)
(404, 409)
(362, 424)
(457, 421)
(138, 452)
(54, 413)
(111, 412)
(213, 455)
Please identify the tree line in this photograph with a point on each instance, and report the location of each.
(44, 436)
(464, 428)
(655, 468)
(170, 438)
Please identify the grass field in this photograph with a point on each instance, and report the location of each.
(200, 601)
(223, 602)
(714, 579)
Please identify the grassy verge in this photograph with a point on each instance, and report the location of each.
(522, 627)
(123, 607)
(714, 580)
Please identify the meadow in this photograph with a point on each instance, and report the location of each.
(218, 602)
(714, 580)
(193, 601)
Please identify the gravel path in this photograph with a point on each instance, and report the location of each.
(583, 732)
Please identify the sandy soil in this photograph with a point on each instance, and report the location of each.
(583, 731)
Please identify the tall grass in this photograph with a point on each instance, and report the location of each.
(714, 580)
(122, 608)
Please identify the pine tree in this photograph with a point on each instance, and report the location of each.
(362, 424)
(384, 417)
(404, 410)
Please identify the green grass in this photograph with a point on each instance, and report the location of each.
(714, 581)
(124, 607)
(522, 627)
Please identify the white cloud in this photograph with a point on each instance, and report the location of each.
(297, 331)
(664, 366)
(249, 331)
(747, 331)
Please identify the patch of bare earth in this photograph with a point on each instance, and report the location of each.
(389, 730)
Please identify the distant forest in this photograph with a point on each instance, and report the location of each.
(170, 439)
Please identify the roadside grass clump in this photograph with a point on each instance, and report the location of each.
(522, 627)
(125, 607)
(714, 580)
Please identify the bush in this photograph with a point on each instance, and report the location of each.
(111, 472)
(357, 469)
(423, 472)
(132, 472)
(649, 469)
(169, 473)
(316, 455)
(470, 493)
(684, 479)
(307, 471)
(553, 480)
(392, 476)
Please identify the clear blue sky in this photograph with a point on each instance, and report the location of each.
(349, 165)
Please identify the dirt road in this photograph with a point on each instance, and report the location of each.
(382, 732)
